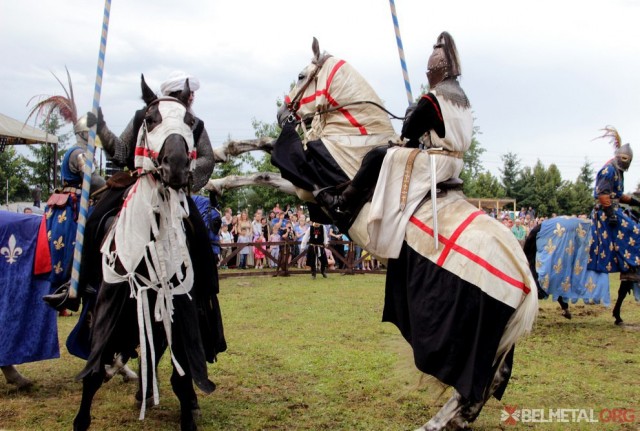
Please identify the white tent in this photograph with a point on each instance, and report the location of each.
(14, 132)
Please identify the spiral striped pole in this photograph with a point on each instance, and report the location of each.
(403, 63)
(91, 148)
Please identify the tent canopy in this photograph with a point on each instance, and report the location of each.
(14, 132)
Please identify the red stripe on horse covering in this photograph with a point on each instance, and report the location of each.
(451, 245)
(333, 102)
(42, 261)
(145, 152)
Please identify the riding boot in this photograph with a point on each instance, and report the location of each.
(339, 205)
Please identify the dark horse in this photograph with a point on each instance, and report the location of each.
(146, 298)
(627, 280)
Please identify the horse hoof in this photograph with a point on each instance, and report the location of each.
(566, 314)
(619, 321)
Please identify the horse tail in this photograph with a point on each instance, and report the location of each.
(521, 323)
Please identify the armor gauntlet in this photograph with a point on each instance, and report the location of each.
(630, 200)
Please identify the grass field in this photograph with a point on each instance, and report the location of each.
(313, 355)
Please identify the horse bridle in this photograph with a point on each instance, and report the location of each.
(294, 103)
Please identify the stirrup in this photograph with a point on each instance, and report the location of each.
(59, 300)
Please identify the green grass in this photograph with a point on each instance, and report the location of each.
(313, 355)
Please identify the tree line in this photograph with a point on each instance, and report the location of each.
(538, 186)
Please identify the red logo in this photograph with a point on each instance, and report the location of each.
(510, 415)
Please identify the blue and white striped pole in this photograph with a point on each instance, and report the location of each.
(91, 148)
(403, 63)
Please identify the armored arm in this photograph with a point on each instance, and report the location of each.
(204, 161)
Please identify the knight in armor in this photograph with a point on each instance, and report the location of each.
(121, 151)
(442, 118)
(615, 245)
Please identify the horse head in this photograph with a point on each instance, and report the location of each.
(332, 98)
(165, 145)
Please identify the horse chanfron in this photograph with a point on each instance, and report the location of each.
(165, 145)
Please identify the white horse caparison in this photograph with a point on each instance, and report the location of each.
(477, 257)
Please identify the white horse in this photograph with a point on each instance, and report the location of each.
(463, 302)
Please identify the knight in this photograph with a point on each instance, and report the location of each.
(615, 245)
(441, 119)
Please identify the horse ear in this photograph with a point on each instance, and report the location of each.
(185, 93)
(147, 93)
(315, 47)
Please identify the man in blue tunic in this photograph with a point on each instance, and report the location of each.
(615, 236)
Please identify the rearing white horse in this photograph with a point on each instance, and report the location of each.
(461, 303)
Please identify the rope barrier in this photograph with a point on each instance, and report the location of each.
(403, 63)
(88, 168)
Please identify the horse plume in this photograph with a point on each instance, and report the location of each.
(612, 134)
(65, 105)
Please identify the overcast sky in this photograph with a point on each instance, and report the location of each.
(543, 76)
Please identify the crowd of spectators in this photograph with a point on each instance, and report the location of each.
(278, 225)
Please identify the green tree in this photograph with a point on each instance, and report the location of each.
(510, 170)
(40, 164)
(13, 173)
(472, 166)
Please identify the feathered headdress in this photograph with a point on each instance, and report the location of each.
(612, 134)
(65, 105)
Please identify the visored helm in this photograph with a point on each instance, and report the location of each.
(623, 157)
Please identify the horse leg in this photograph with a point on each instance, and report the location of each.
(90, 385)
(458, 412)
(565, 307)
(189, 408)
(13, 377)
(625, 287)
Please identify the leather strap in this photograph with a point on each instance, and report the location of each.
(406, 179)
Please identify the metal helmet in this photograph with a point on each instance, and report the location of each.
(623, 157)
(623, 153)
(443, 62)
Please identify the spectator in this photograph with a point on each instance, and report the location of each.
(225, 238)
(259, 251)
(227, 218)
(36, 194)
(274, 249)
(245, 237)
(519, 231)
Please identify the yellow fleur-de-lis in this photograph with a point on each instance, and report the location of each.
(570, 248)
(566, 284)
(558, 266)
(58, 244)
(58, 268)
(605, 234)
(636, 231)
(611, 246)
(603, 254)
(627, 255)
(637, 262)
(62, 217)
(49, 213)
(609, 267)
(624, 223)
(632, 242)
(550, 247)
(559, 230)
(620, 235)
(48, 235)
(590, 285)
(538, 264)
(582, 232)
(603, 217)
(605, 170)
(545, 282)
(577, 268)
